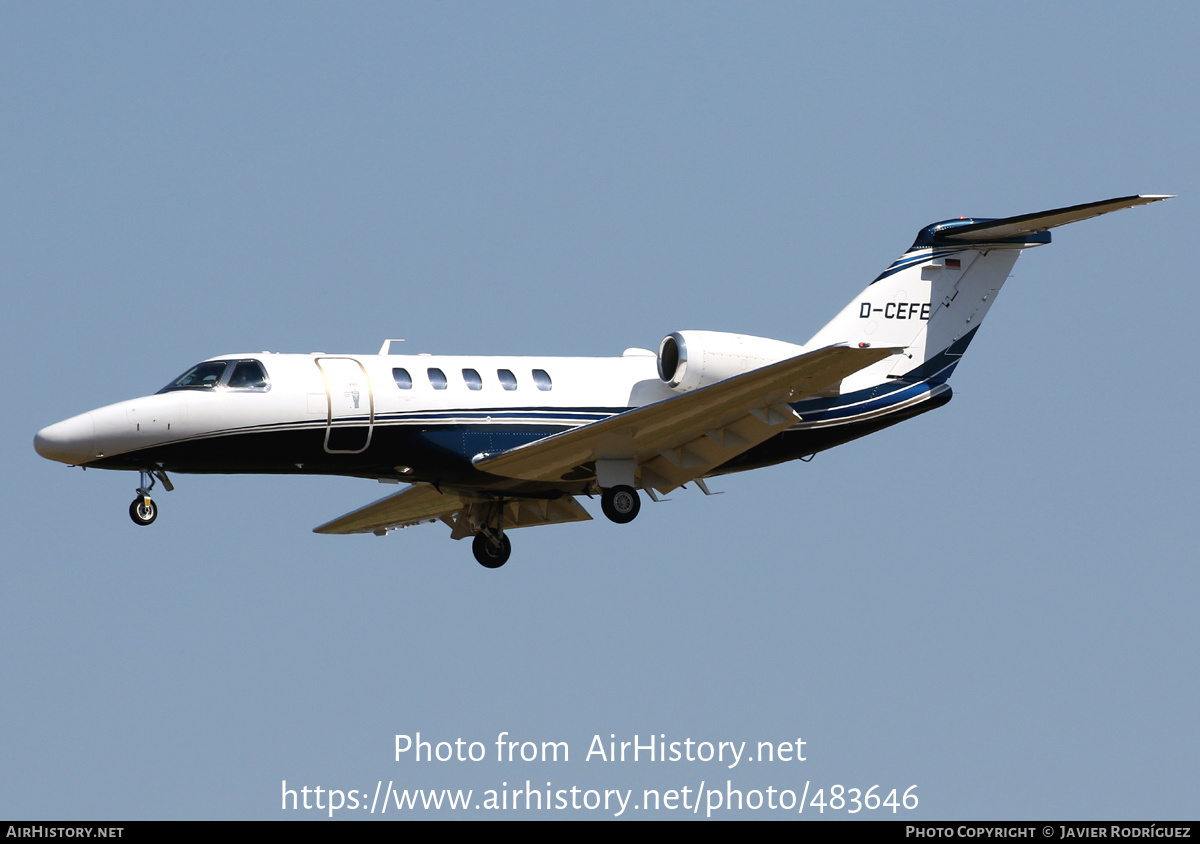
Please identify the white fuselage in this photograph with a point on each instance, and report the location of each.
(327, 395)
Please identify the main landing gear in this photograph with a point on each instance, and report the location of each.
(620, 504)
(143, 510)
(490, 550)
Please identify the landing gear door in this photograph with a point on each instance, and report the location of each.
(351, 417)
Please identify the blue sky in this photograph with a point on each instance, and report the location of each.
(994, 602)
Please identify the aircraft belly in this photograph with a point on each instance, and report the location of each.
(437, 453)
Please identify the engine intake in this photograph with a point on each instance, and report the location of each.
(688, 360)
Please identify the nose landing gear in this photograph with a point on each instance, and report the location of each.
(143, 510)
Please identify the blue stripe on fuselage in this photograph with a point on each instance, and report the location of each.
(922, 379)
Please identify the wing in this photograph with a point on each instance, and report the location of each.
(673, 441)
(464, 514)
(684, 437)
(412, 506)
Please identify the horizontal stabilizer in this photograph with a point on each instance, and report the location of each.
(976, 231)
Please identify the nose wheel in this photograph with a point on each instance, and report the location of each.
(143, 510)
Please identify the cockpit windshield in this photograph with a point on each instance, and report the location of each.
(203, 376)
(239, 375)
(248, 375)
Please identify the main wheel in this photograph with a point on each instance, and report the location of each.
(491, 555)
(621, 504)
(143, 511)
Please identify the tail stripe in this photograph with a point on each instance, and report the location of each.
(908, 260)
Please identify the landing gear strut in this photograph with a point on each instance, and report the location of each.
(491, 552)
(620, 503)
(143, 510)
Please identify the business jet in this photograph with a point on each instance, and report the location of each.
(490, 444)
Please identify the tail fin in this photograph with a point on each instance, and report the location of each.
(932, 299)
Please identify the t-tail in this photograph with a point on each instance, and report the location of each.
(933, 298)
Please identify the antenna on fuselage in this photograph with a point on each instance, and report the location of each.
(386, 348)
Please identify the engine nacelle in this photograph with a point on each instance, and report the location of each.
(688, 360)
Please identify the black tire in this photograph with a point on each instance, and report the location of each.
(488, 553)
(621, 504)
(143, 511)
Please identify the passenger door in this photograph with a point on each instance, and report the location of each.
(351, 417)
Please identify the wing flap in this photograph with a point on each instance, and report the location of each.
(686, 435)
(461, 513)
(694, 459)
(513, 513)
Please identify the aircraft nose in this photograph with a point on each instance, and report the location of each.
(70, 441)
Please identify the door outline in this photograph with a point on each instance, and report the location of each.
(328, 377)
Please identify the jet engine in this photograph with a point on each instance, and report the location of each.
(688, 360)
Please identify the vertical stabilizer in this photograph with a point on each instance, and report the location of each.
(932, 299)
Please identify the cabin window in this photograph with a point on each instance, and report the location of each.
(474, 382)
(203, 376)
(507, 380)
(402, 378)
(437, 378)
(541, 379)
